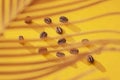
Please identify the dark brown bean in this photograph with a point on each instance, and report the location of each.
(74, 51)
(59, 30)
(43, 35)
(90, 59)
(85, 41)
(21, 38)
(62, 41)
(42, 50)
(63, 19)
(60, 54)
(28, 20)
(47, 20)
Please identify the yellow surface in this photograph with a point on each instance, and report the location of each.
(109, 60)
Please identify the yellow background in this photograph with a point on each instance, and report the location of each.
(108, 59)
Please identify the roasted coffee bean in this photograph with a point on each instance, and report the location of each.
(47, 20)
(63, 19)
(90, 59)
(28, 20)
(62, 41)
(85, 41)
(74, 51)
(42, 50)
(21, 38)
(59, 30)
(60, 54)
(43, 35)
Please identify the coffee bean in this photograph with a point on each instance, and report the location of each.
(47, 20)
(42, 50)
(43, 35)
(59, 30)
(74, 51)
(60, 54)
(90, 59)
(28, 20)
(63, 19)
(85, 42)
(62, 41)
(21, 38)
